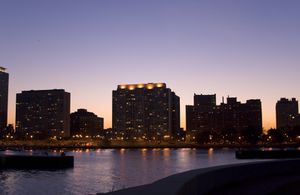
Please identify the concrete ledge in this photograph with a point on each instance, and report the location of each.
(208, 180)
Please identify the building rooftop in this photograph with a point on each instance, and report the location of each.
(2, 69)
(142, 85)
(43, 90)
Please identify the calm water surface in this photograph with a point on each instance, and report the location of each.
(105, 170)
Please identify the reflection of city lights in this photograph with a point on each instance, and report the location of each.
(210, 151)
(122, 151)
(166, 152)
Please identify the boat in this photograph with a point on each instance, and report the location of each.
(267, 154)
(36, 162)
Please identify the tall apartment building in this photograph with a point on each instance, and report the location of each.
(43, 113)
(3, 97)
(287, 113)
(85, 123)
(200, 117)
(148, 111)
(205, 115)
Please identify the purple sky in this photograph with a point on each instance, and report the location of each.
(248, 49)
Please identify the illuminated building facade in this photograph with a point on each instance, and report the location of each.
(146, 111)
(287, 113)
(205, 115)
(3, 97)
(84, 123)
(43, 113)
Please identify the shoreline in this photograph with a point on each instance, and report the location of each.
(62, 145)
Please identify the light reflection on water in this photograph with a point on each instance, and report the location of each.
(105, 170)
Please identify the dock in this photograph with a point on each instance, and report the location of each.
(36, 162)
(267, 154)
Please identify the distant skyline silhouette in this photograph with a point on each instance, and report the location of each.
(245, 49)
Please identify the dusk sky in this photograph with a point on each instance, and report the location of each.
(247, 49)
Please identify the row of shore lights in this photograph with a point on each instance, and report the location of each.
(148, 86)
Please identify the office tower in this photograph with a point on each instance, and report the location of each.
(43, 113)
(199, 117)
(145, 111)
(251, 114)
(240, 116)
(3, 97)
(205, 102)
(84, 123)
(206, 116)
(175, 102)
(286, 113)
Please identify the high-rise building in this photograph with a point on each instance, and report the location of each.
(145, 111)
(43, 113)
(286, 113)
(84, 123)
(205, 102)
(199, 117)
(205, 115)
(3, 97)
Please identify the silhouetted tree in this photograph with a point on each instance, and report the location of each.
(205, 137)
(229, 134)
(251, 134)
(202, 137)
(294, 132)
(276, 136)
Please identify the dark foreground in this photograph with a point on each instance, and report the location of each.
(268, 177)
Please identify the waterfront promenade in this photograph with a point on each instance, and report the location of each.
(267, 177)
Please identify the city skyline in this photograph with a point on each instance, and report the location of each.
(123, 86)
(248, 50)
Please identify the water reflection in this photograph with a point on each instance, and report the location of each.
(103, 170)
(210, 153)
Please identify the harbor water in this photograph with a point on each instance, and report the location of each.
(106, 170)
